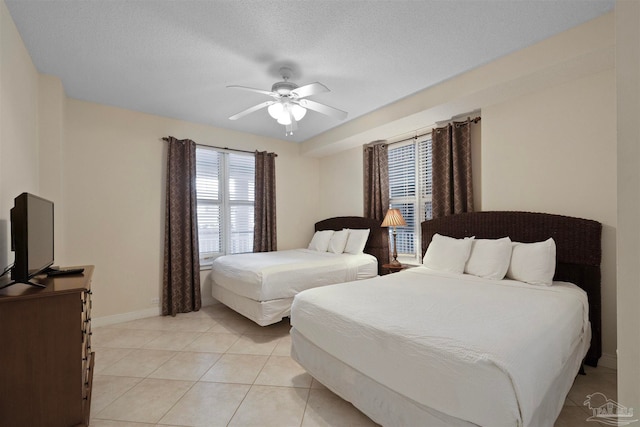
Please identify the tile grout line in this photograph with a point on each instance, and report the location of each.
(246, 332)
(239, 405)
(306, 405)
(194, 382)
(158, 367)
(248, 390)
(120, 395)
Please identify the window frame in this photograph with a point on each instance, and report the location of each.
(224, 202)
(418, 200)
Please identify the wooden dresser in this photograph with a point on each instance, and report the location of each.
(46, 362)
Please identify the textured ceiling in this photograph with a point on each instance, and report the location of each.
(175, 58)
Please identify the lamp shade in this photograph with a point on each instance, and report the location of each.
(393, 218)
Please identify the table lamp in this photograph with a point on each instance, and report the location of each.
(394, 219)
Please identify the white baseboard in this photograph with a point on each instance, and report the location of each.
(207, 301)
(135, 315)
(125, 317)
(608, 361)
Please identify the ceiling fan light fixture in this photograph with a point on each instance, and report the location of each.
(298, 112)
(285, 117)
(283, 112)
(275, 110)
(284, 120)
(289, 102)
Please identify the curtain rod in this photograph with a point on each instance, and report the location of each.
(417, 135)
(459, 120)
(431, 129)
(376, 142)
(223, 148)
(231, 149)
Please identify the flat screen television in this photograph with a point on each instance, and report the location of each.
(31, 237)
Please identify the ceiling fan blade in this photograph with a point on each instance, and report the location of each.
(251, 89)
(251, 110)
(310, 89)
(324, 109)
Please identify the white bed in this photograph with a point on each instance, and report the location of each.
(482, 351)
(261, 286)
(435, 348)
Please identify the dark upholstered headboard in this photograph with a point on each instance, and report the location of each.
(378, 242)
(578, 249)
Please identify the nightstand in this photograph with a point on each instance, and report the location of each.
(391, 268)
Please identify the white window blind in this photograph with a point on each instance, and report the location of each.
(225, 187)
(424, 178)
(241, 198)
(410, 191)
(402, 192)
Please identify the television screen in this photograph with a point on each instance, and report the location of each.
(31, 236)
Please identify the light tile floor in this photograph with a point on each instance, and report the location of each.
(216, 368)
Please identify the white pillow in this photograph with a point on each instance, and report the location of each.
(447, 254)
(338, 241)
(533, 263)
(320, 240)
(489, 258)
(357, 241)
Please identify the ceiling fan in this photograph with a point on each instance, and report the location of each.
(289, 104)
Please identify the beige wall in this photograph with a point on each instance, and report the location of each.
(551, 148)
(19, 158)
(341, 184)
(555, 151)
(51, 106)
(114, 197)
(628, 91)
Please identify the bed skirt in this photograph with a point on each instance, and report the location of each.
(389, 408)
(262, 312)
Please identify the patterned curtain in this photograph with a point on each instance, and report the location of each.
(264, 230)
(376, 184)
(376, 180)
(181, 275)
(451, 168)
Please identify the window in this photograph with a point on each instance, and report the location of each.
(410, 191)
(225, 186)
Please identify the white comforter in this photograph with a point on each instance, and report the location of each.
(480, 350)
(267, 276)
